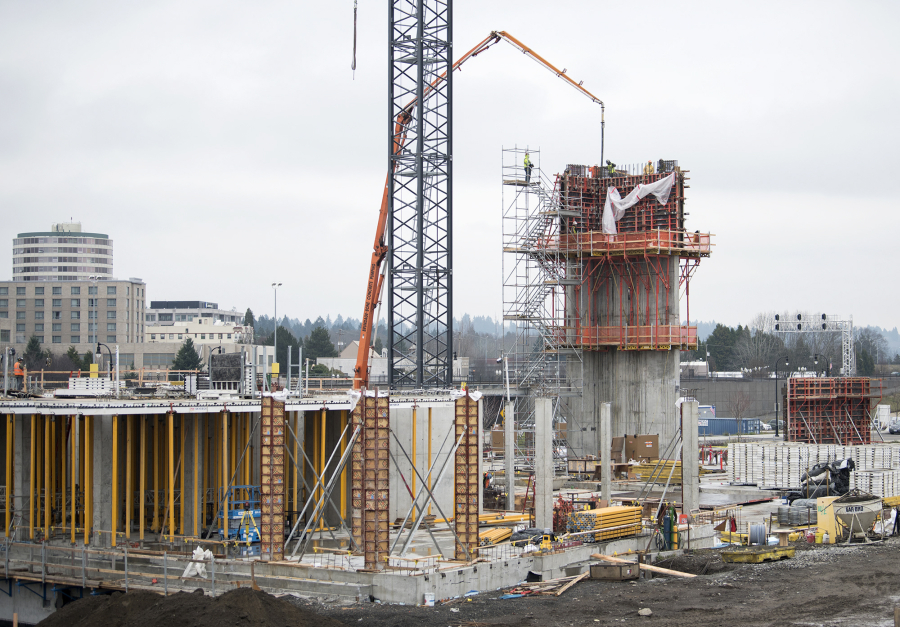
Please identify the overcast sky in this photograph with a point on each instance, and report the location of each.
(226, 145)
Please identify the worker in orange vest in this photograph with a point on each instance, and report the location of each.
(19, 372)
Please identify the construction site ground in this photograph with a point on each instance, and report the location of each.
(820, 585)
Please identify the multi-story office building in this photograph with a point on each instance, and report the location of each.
(166, 312)
(79, 313)
(64, 253)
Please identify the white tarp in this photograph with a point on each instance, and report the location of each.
(615, 205)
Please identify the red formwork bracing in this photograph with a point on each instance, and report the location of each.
(629, 286)
(833, 410)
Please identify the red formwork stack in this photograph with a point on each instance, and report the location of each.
(833, 410)
(628, 294)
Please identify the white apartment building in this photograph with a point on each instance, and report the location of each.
(201, 331)
(64, 253)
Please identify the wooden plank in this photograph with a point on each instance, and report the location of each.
(573, 582)
(655, 569)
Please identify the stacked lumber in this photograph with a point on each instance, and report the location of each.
(494, 536)
(551, 587)
(609, 522)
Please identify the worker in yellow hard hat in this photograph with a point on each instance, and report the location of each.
(648, 169)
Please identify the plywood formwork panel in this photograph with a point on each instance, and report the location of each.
(370, 480)
(271, 529)
(832, 410)
(466, 477)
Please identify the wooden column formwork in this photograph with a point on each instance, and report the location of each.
(466, 478)
(271, 529)
(370, 468)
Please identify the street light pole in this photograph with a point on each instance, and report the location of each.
(275, 287)
(96, 338)
(786, 364)
(827, 368)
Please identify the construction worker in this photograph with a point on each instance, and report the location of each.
(19, 372)
(610, 168)
(528, 167)
(648, 169)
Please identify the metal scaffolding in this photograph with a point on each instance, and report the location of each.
(539, 306)
(420, 287)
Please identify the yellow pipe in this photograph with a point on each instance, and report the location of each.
(50, 495)
(413, 472)
(48, 506)
(156, 436)
(89, 475)
(81, 471)
(115, 478)
(63, 471)
(129, 475)
(429, 457)
(322, 462)
(171, 485)
(296, 504)
(344, 471)
(225, 475)
(143, 480)
(206, 457)
(74, 440)
(32, 478)
(9, 482)
(196, 470)
(181, 479)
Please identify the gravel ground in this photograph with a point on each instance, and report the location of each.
(829, 585)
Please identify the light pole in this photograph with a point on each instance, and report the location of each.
(93, 279)
(275, 287)
(786, 364)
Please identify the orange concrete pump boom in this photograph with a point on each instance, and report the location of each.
(380, 248)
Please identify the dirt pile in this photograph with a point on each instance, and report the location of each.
(242, 607)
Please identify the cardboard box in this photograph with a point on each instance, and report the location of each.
(640, 447)
(498, 438)
(618, 447)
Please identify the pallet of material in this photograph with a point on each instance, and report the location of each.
(609, 522)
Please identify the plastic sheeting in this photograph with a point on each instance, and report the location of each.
(615, 205)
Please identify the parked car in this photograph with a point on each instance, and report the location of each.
(771, 424)
(894, 427)
(765, 426)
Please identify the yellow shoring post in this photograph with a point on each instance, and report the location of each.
(89, 479)
(38, 468)
(10, 424)
(81, 469)
(217, 460)
(115, 478)
(143, 480)
(315, 447)
(196, 470)
(74, 440)
(32, 477)
(156, 436)
(129, 475)
(429, 457)
(344, 471)
(181, 479)
(48, 506)
(171, 485)
(248, 458)
(50, 495)
(204, 429)
(322, 462)
(413, 469)
(63, 471)
(225, 475)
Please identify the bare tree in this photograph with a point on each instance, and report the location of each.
(738, 403)
(757, 348)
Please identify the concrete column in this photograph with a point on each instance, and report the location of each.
(22, 473)
(509, 453)
(101, 460)
(605, 451)
(690, 456)
(543, 463)
(187, 497)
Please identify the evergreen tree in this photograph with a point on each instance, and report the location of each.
(319, 345)
(187, 357)
(34, 355)
(865, 364)
(248, 318)
(379, 346)
(75, 358)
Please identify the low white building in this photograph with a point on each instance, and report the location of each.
(201, 331)
(346, 361)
